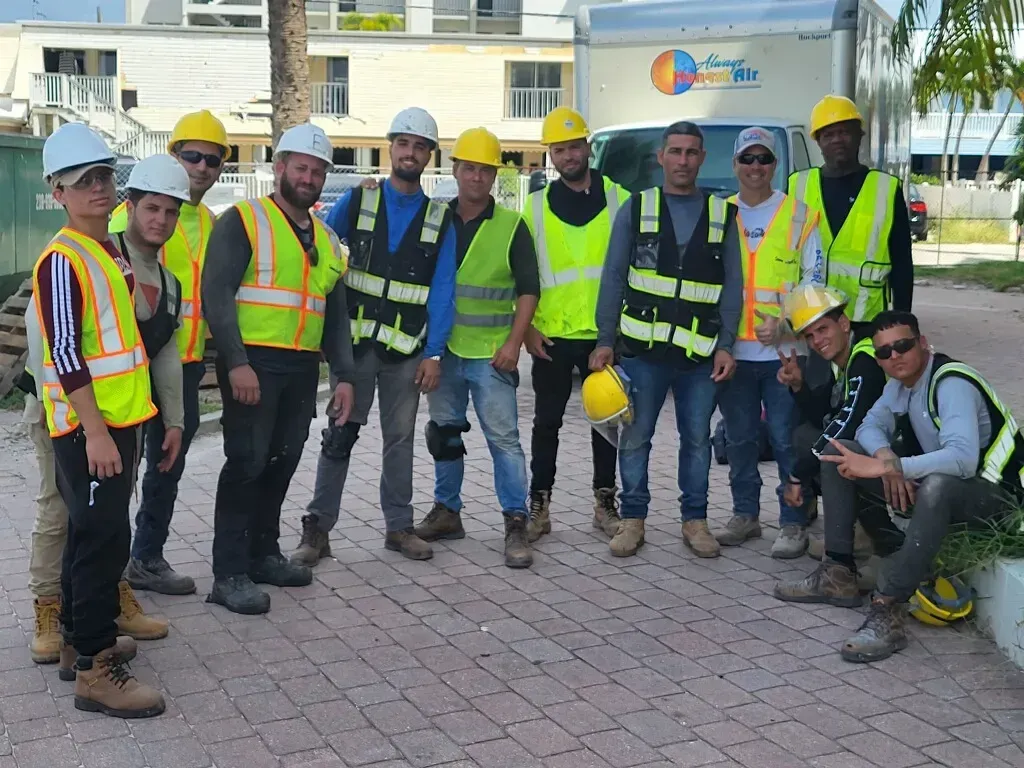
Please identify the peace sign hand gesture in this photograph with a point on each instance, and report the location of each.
(790, 374)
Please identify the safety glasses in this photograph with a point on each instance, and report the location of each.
(192, 157)
(102, 175)
(901, 346)
(764, 158)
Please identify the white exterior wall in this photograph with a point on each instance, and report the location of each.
(9, 37)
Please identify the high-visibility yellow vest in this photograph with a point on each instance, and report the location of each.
(773, 269)
(184, 254)
(485, 290)
(283, 297)
(570, 260)
(857, 257)
(862, 347)
(111, 344)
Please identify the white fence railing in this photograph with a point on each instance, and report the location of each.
(144, 144)
(982, 125)
(532, 103)
(72, 93)
(328, 99)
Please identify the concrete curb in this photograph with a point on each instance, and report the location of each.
(210, 422)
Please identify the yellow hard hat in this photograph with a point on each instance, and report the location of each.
(942, 601)
(808, 303)
(477, 145)
(831, 110)
(199, 126)
(605, 396)
(563, 124)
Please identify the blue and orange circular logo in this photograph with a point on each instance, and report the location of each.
(673, 72)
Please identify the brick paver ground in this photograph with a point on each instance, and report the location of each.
(585, 660)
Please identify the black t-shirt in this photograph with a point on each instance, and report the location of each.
(577, 209)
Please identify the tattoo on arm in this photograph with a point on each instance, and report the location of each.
(893, 465)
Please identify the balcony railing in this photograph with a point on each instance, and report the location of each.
(71, 94)
(329, 99)
(393, 7)
(51, 89)
(531, 103)
(495, 9)
(981, 125)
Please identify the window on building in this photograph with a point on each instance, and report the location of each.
(535, 74)
(108, 63)
(344, 157)
(535, 88)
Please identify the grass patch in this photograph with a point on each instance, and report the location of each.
(997, 275)
(13, 400)
(968, 231)
(969, 547)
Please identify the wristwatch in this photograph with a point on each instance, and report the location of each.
(435, 358)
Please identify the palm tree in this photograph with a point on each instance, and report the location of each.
(1014, 82)
(289, 65)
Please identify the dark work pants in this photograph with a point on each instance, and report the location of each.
(805, 435)
(99, 538)
(552, 386)
(160, 489)
(940, 500)
(262, 444)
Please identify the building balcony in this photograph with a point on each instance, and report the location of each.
(50, 89)
(485, 9)
(372, 7)
(328, 99)
(532, 103)
(979, 126)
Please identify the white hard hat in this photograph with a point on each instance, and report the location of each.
(160, 175)
(414, 121)
(74, 146)
(307, 139)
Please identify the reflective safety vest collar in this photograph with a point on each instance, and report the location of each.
(282, 298)
(110, 345)
(862, 347)
(857, 257)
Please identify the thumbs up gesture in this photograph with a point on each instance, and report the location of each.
(768, 330)
(790, 374)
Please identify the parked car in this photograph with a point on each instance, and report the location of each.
(918, 214)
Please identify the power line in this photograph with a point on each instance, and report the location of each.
(486, 14)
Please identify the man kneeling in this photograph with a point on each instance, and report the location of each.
(965, 456)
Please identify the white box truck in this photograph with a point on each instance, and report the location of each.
(730, 64)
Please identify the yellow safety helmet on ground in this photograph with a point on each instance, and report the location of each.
(563, 124)
(607, 401)
(477, 145)
(942, 601)
(831, 110)
(808, 303)
(199, 126)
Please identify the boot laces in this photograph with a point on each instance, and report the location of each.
(879, 619)
(434, 514)
(514, 529)
(610, 504)
(536, 505)
(48, 618)
(130, 605)
(309, 532)
(118, 670)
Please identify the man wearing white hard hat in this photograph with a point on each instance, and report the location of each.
(275, 301)
(401, 283)
(95, 383)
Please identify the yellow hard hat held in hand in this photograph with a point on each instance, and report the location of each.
(607, 401)
(563, 124)
(808, 303)
(831, 110)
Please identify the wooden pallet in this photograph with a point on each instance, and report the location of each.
(13, 340)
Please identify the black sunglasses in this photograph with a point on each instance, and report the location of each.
(192, 157)
(901, 346)
(765, 158)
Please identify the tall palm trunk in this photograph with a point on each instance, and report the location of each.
(983, 174)
(289, 65)
(944, 161)
(956, 147)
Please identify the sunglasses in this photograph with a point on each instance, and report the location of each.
(902, 346)
(765, 158)
(192, 157)
(103, 175)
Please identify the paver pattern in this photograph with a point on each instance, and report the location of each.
(585, 660)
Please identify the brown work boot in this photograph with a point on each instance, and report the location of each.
(409, 544)
(440, 523)
(863, 547)
(628, 538)
(314, 544)
(831, 583)
(134, 622)
(606, 511)
(739, 529)
(126, 647)
(106, 684)
(45, 645)
(698, 538)
(540, 515)
(883, 633)
(517, 548)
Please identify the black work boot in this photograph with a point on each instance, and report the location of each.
(314, 545)
(156, 575)
(239, 595)
(409, 544)
(440, 523)
(276, 570)
(540, 515)
(517, 548)
(883, 633)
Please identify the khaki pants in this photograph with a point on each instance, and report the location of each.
(51, 526)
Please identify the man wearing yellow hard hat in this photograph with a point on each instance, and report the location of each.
(865, 224)
(496, 290)
(571, 221)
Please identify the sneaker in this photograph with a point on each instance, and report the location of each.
(540, 515)
(314, 544)
(830, 583)
(46, 639)
(126, 646)
(517, 548)
(105, 683)
(440, 523)
(279, 572)
(883, 633)
(134, 622)
(697, 536)
(409, 544)
(239, 595)
(791, 542)
(628, 538)
(739, 529)
(156, 575)
(606, 511)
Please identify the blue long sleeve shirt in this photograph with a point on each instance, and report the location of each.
(401, 210)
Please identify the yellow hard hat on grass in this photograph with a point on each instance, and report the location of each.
(477, 145)
(831, 110)
(942, 601)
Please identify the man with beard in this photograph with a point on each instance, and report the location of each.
(200, 144)
(865, 225)
(401, 300)
(571, 222)
(274, 300)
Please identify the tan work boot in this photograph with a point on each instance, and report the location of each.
(698, 538)
(45, 645)
(863, 547)
(628, 539)
(540, 515)
(134, 622)
(440, 523)
(883, 633)
(106, 684)
(314, 544)
(409, 544)
(517, 548)
(126, 647)
(830, 583)
(606, 511)
(739, 529)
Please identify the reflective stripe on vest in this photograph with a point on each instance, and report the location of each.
(110, 344)
(862, 347)
(283, 297)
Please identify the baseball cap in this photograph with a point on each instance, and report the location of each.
(752, 137)
(69, 177)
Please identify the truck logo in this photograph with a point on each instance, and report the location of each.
(674, 72)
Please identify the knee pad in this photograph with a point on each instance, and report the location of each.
(445, 443)
(338, 441)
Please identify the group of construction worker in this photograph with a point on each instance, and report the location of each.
(402, 295)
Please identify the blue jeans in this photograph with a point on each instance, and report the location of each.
(494, 400)
(740, 401)
(160, 489)
(694, 393)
